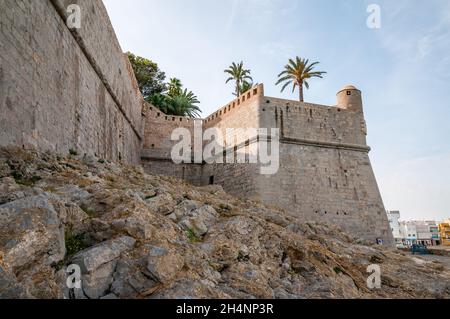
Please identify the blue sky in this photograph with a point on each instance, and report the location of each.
(403, 69)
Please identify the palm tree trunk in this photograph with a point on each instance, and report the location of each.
(300, 86)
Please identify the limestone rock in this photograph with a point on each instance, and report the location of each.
(73, 193)
(164, 264)
(129, 236)
(194, 217)
(162, 203)
(9, 190)
(92, 258)
(5, 170)
(10, 288)
(30, 229)
(97, 283)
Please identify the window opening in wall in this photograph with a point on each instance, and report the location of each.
(211, 180)
(255, 91)
(349, 92)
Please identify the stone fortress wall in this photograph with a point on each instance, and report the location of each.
(325, 172)
(63, 89)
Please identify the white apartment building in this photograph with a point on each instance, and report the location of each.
(394, 223)
(420, 232)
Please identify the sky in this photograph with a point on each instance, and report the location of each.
(402, 68)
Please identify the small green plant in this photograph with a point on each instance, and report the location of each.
(193, 238)
(74, 243)
(89, 211)
(25, 181)
(60, 265)
(101, 161)
(73, 152)
(338, 270)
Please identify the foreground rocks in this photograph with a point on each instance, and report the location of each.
(134, 235)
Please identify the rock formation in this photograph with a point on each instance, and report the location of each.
(135, 235)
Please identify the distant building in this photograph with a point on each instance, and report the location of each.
(408, 233)
(394, 223)
(444, 230)
(420, 232)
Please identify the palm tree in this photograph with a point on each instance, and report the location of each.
(239, 75)
(245, 86)
(174, 87)
(184, 104)
(298, 73)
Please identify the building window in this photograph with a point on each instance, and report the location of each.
(349, 92)
(211, 180)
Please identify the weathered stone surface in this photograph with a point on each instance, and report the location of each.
(92, 258)
(129, 249)
(100, 115)
(5, 170)
(10, 288)
(97, 283)
(164, 264)
(9, 190)
(31, 229)
(194, 217)
(73, 193)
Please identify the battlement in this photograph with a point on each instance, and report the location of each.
(240, 102)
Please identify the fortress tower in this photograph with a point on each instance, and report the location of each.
(349, 98)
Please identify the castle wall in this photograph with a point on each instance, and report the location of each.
(237, 179)
(328, 185)
(325, 172)
(62, 90)
(312, 122)
(157, 146)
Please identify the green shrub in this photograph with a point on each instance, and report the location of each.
(74, 244)
(338, 270)
(89, 211)
(25, 181)
(193, 238)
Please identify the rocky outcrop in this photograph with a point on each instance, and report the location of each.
(140, 236)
